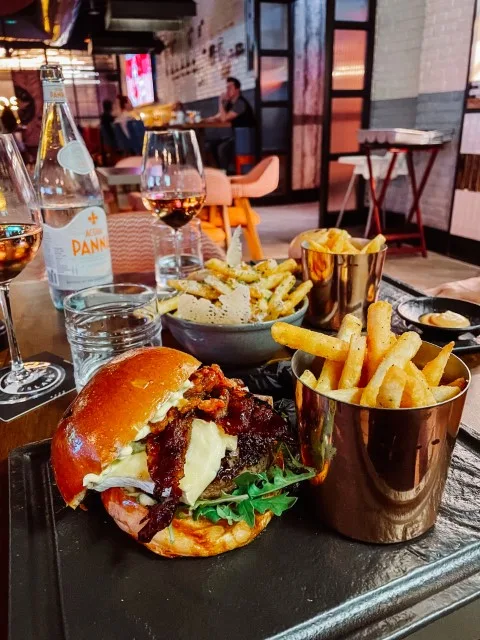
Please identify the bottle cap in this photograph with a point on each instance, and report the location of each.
(51, 72)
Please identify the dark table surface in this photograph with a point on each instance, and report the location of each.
(41, 328)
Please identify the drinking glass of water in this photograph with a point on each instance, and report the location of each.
(103, 322)
(164, 242)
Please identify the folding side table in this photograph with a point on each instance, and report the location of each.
(415, 213)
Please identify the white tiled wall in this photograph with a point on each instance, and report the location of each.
(446, 45)
(223, 24)
(398, 42)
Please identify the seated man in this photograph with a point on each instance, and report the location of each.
(236, 110)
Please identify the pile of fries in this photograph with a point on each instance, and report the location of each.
(271, 288)
(376, 370)
(340, 241)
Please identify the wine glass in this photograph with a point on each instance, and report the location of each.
(173, 183)
(20, 239)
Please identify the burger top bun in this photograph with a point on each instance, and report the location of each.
(185, 536)
(108, 413)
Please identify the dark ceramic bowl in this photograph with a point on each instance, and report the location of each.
(232, 344)
(411, 310)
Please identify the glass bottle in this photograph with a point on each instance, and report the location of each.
(75, 234)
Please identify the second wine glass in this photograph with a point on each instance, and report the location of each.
(173, 182)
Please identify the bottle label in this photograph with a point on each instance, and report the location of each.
(53, 92)
(78, 255)
(74, 157)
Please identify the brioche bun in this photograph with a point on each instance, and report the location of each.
(108, 413)
(185, 536)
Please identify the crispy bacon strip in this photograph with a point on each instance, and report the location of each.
(166, 453)
(213, 397)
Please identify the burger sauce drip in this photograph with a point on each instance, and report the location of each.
(236, 411)
(166, 453)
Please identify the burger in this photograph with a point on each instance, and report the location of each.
(186, 460)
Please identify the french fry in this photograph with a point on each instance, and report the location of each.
(317, 246)
(266, 267)
(400, 353)
(217, 284)
(271, 281)
(296, 297)
(379, 318)
(413, 371)
(393, 338)
(317, 344)
(194, 288)
(331, 371)
(275, 304)
(337, 245)
(375, 245)
(308, 378)
(458, 382)
(445, 392)
(287, 265)
(392, 388)
(352, 369)
(433, 370)
(167, 305)
(346, 395)
(349, 248)
(246, 274)
(413, 395)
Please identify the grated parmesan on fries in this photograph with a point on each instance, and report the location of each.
(232, 292)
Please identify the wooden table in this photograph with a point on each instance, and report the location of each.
(41, 328)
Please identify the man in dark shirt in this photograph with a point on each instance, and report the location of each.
(236, 110)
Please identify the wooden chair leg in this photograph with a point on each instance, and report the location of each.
(253, 240)
(226, 225)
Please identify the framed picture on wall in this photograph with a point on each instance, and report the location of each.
(250, 33)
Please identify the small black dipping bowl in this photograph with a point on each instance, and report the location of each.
(411, 311)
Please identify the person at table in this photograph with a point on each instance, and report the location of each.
(124, 114)
(106, 121)
(235, 109)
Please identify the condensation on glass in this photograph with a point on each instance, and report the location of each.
(351, 10)
(273, 25)
(349, 51)
(274, 78)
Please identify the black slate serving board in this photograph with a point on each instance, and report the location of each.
(75, 575)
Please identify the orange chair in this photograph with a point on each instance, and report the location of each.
(131, 243)
(214, 215)
(260, 181)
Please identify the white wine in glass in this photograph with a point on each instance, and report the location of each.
(173, 182)
(20, 239)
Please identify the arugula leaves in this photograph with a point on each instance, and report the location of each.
(255, 492)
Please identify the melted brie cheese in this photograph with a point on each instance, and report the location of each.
(130, 471)
(207, 447)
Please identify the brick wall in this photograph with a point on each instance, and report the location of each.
(398, 42)
(209, 48)
(420, 73)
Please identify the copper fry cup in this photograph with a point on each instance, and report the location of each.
(342, 283)
(381, 472)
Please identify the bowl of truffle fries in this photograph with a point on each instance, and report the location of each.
(378, 415)
(225, 313)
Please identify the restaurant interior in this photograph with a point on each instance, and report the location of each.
(308, 163)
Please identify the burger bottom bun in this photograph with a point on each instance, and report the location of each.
(185, 537)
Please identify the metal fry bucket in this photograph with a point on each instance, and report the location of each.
(381, 472)
(342, 283)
